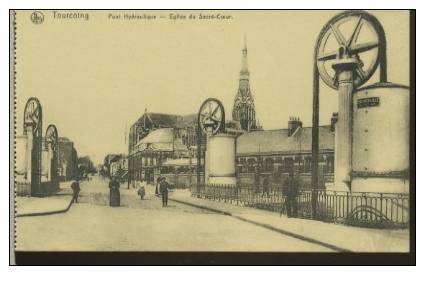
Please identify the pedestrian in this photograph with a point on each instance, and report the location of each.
(75, 186)
(256, 182)
(163, 188)
(114, 193)
(158, 182)
(292, 191)
(141, 189)
(266, 186)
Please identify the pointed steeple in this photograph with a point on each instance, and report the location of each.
(244, 73)
(243, 106)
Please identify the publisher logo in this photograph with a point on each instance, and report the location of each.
(37, 17)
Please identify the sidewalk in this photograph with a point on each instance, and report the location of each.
(33, 206)
(341, 237)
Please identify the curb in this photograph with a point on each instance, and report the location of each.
(266, 226)
(46, 213)
(201, 207)
(294, 235)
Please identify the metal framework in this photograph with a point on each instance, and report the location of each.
(33, 119)
(378, 210)
(51, 138)
(211, 120)
(346, 48)
(211, 117)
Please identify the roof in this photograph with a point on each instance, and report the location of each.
(187, 120)
(162, 120)
(112, 157)
(277, 141)
(160, 139)
(164, 135)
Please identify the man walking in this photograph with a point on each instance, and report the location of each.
(266, 186)
(292, 189)
(163, 188)
(75, 186)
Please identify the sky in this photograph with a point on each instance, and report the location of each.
(95, 77)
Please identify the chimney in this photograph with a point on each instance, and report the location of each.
(334, 120)
(293, 124)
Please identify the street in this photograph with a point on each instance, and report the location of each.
(143, 225)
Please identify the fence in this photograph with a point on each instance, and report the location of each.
(180, 180)
(22, 188)
(359, 208)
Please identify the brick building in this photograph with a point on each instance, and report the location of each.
(274, 152)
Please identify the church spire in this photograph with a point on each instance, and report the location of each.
(244, 74)
(243, 106)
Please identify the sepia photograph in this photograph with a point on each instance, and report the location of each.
(212, 136)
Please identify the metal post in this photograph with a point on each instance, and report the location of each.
(198, 160)
(345, 72)
(315, 143)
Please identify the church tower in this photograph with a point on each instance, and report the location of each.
(243, 106)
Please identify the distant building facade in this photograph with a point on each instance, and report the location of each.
(155, 138)
(274, 153)
(119, 168)
(166, 145)
(68, 159)
(109, 162)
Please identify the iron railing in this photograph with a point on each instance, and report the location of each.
(354, 208)
(22, 188)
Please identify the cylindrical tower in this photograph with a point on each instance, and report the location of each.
(381, 138)
(221, 150)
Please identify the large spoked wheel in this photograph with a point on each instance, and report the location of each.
(211, 118)
(32, 114)
(52, 137)
(350, 35)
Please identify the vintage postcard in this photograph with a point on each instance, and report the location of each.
(212, 131)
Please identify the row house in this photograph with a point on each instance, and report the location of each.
(274, 153)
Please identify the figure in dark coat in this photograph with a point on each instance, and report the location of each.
(158, 182)
(75, 186)
(266, 187)
(163, 188)
(292, 191)
(114, 193)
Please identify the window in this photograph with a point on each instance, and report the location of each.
(251, 164)
(330, 164)
(288, 164)
(268, 165)
(307, 164)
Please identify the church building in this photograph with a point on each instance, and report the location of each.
(261, 153)
(165, 144)
(243, 106)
